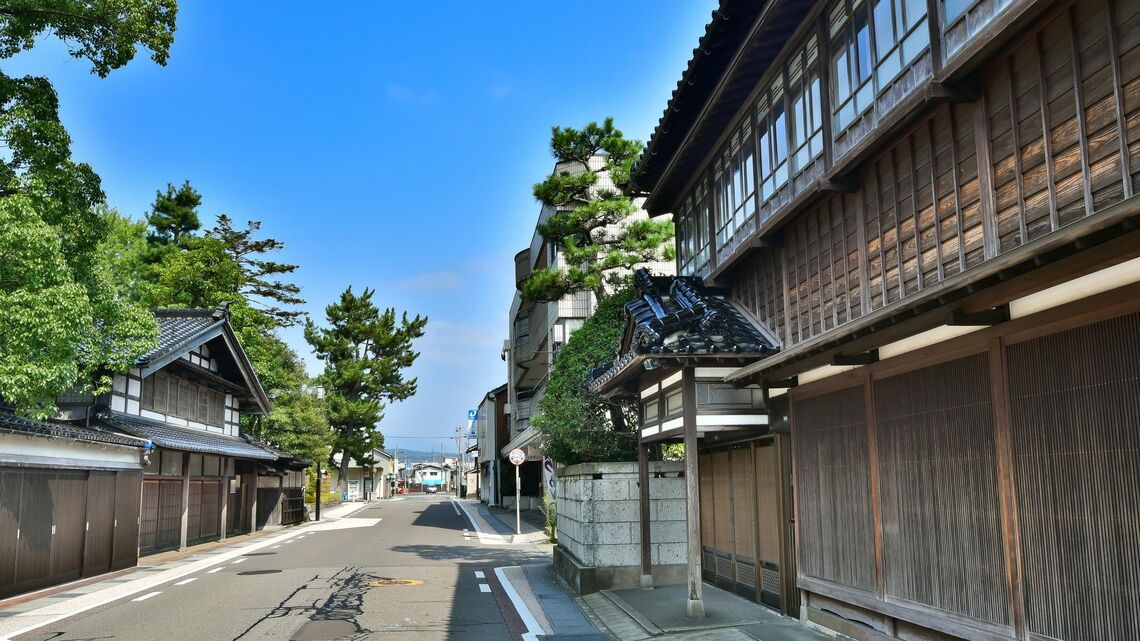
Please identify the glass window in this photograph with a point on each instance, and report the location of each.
(859, 67)
(651, 411)
(734, 184)
(772, 127)
(954, 9)
(522, 330)
(806, 111)
(900, 36)
(693, 231)
(852, 89)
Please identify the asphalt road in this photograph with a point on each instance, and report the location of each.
(331, 584)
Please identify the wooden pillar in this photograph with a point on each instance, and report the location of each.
(643, 485)
(185, 500)
(253, 500)
(695, 608)
(225, 498)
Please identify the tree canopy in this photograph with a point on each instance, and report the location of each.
(591, 221)
(366, 352)
(66, 317)
(577, 426)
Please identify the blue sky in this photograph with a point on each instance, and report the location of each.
(389, 145)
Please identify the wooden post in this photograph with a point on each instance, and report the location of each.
(225, 498)
(643, 483)
(185, 500)
(253, 500)
(695, 608)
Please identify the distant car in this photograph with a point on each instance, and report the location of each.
(431, 489)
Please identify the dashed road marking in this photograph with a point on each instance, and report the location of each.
(483, 587)
(214, 570)
(479, 574)
(238, 561)
(147, 596)
(185, 581)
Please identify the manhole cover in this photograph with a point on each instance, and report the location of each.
(255, 572)
(259, 554)
(385, 582)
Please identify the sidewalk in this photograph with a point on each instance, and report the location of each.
(494, 526)
(22, 613)
(636, 614)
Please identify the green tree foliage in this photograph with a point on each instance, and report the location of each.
(590, 223)
(258, 286)
(365, 352)
(297, 423)
(173, 217)
(577, 426)
(65, 317)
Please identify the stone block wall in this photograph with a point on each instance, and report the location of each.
(599, 530)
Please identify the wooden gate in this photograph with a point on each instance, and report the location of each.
(58, 525)
(743, 521)
(160, 525)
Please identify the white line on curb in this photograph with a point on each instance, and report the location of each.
(185, 581)
(533, 629)
(147, 596)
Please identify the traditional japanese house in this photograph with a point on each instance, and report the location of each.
(69, 501)
(932, 205)
(186, 397)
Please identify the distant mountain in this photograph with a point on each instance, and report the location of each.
(420, 456)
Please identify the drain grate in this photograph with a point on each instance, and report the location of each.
(256, 572)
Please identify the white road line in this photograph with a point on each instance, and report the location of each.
(214, 570)
(147, 596)
(185, 581)
(479, 574)
(241, 560)
(274, 547)
(483, 587)
(455, 506)
(533, 629)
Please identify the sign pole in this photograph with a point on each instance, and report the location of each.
(517, 457)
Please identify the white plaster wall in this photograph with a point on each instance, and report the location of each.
(599, 519)
(58, 452)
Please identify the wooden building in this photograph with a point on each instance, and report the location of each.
(69, 502)
(931, 205)
(186, 397)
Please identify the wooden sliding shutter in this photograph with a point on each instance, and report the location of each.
(1075, 400)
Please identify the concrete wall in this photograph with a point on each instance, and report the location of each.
(599, 531)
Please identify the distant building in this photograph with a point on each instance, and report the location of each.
(537, 333)
(491, 429)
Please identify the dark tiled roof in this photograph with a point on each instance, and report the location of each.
(680, 318)
(185, 439)
(9, 422)
(177, 329)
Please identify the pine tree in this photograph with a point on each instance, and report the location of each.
(257, 286)
(590, 226)
(173, 218)
(365, 352)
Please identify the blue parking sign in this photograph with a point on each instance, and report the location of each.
(472, 415)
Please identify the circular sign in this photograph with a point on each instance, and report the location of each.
(517, 456)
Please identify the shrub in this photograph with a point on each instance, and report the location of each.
(577, 426)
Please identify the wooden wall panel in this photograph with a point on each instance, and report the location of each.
(833, 488)
(942, 538)
(33, 552)
(69, 498)
(128, 488)
(1075, 399)
(11, 481)
(100, 522)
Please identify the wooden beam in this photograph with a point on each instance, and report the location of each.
(185, 500)
(695, 607)
(643, 486)
(844, 185)
(865, 358)
(994, 316)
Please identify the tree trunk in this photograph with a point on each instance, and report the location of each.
(342, 485)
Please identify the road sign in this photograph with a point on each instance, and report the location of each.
(472, 415)
(517, 456)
